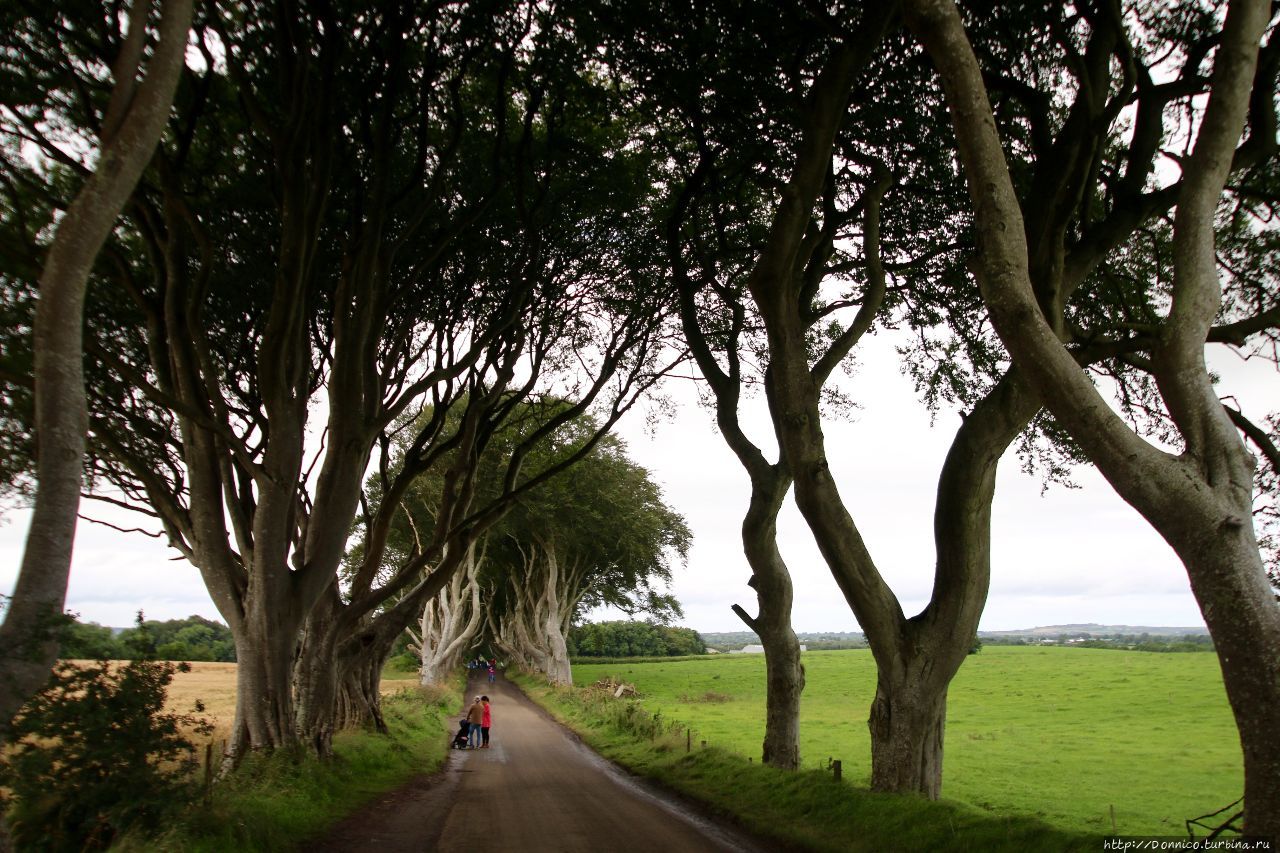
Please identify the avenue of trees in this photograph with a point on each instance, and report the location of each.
(356, 338)
(597, 534)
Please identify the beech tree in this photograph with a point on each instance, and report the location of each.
(355, 215)
(1198, 496)
(593, 334)
(860, 186)
(142, 61)
(449, 624)
(840, 173)
(721, 84)
(595, 533)
(598, 534)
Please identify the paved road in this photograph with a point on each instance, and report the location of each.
(537, 788)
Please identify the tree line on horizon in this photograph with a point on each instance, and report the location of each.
(192, 639)
(459, 242)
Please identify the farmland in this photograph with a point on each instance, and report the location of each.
(214, 686)
(1065, 735)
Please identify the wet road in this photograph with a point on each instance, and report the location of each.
(537, 788)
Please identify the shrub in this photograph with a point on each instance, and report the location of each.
(93, 754)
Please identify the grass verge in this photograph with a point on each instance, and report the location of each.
(806, 809)
(278, 802)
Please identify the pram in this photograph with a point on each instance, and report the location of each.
(460, 739)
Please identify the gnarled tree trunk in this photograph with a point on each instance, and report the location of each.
(449, 623)
(532, 628)
(784, 672)
(135, 119)
(1200, 500)
(551, 618)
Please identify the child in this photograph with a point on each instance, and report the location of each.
(460, 739)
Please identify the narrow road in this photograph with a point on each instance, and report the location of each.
(537, 788)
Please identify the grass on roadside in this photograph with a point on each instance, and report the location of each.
(276, 803)
(806, 809)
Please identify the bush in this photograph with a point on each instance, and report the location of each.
(93, 754)
(404, 662)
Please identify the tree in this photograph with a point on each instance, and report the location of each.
(844, 164)
(1199, 499)
(633, 639)
(544, 561)
(91, 641)
(449, 624)
(563, 233)
(1065, 154)
(599, 534)
(357, 213)
(725, 119)
(130, 123)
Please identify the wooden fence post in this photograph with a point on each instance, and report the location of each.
(208, 772)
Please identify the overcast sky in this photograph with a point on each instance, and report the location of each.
(1069, 556)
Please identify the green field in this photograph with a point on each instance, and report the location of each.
(1065, 735)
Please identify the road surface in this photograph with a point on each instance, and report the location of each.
(537, 788)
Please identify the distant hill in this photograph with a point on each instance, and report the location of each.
(813, 639)
(1096, 630)
(729, 639)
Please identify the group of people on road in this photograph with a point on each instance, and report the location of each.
(477, 723)
(473, 728)
(490, 666)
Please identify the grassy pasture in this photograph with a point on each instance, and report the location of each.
(1064, 735)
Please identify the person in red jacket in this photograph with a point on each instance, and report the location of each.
(484, 722)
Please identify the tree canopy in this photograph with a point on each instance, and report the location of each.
(633, 639)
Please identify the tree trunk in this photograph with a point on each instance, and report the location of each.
(264, 681)
(915, 658)
(446, 628)
(554, 646)
(1229, 582)
(913, 674)
(784, 673)
(360, 695)
(558, 669)
(315, 678)
(784, 684)
(135, 119)
(1201, 500)
(907, 720)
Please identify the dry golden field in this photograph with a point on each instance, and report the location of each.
(214, 685)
